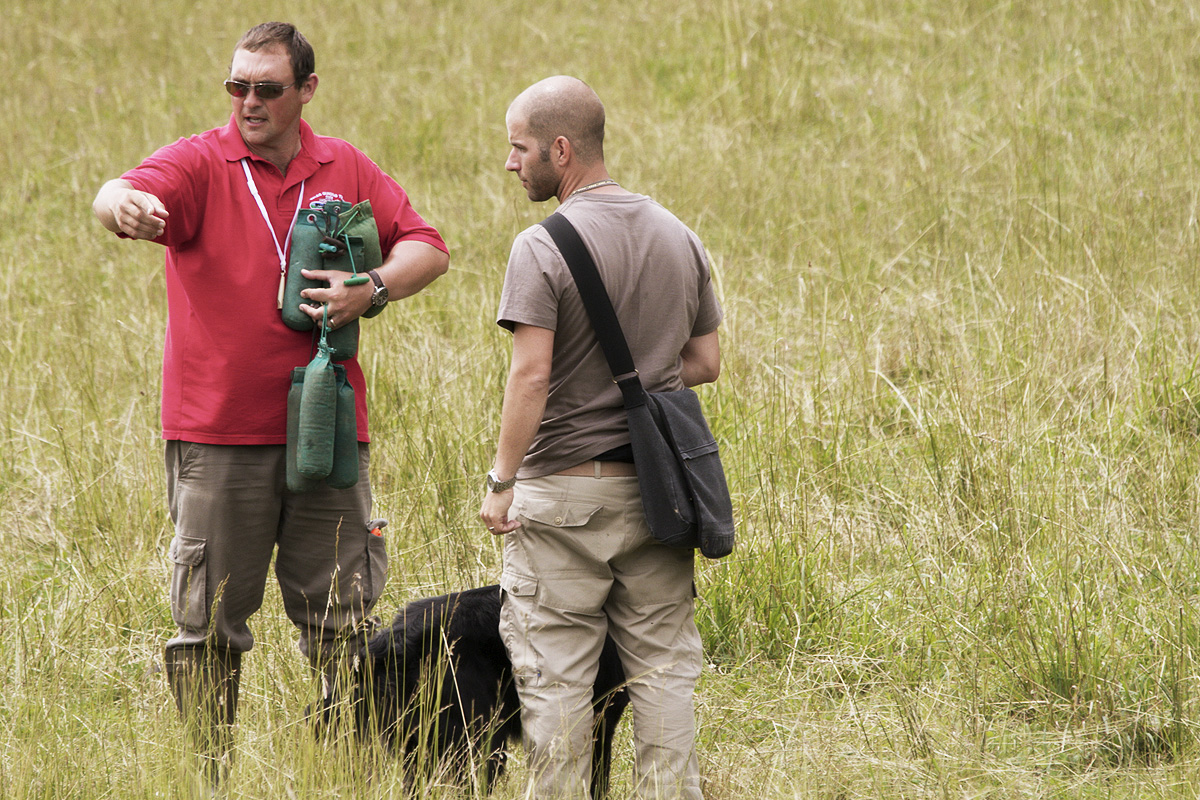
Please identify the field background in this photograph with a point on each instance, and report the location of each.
(957, 245)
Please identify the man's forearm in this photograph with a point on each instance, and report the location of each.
(700, 360)
(524, 403)
(524, 396)
(410, 267)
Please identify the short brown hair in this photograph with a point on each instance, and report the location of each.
(285, 35)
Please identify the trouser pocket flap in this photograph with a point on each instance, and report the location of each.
(187, 552)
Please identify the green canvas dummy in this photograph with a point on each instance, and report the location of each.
(335, 236)
(322, 430)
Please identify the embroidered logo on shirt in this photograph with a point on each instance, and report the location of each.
(321, 198)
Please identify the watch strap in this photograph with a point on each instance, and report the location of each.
(494, 483)
(379, 297)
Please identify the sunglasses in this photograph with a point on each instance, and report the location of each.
(265, 91)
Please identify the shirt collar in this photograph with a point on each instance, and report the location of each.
(313, 151)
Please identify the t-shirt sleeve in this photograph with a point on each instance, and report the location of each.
(395, 216)
(709, 313)
(170, 174)
(530, 296)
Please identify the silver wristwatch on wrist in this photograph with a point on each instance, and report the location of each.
(380, 296)
(494, 484)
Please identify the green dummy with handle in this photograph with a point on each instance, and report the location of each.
(318, 415)
(334, 236)
(344, 472)
(322, 427)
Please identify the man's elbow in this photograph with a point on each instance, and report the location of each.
(534, 381)
(708, 372)
(530, 376)
(700, 370)
(441, 263)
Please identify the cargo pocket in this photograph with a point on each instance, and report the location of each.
(558, 513)
(189, 585)
(518, 585)
(377, 566)
(518, 603)
(560, 536)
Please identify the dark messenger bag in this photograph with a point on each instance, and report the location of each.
(682, 482)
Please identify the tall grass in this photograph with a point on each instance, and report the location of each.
(956, 244)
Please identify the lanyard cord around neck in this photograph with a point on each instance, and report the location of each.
(280, 251)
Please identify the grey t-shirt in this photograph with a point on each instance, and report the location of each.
(657, 275)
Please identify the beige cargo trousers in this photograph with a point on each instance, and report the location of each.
(583, 564)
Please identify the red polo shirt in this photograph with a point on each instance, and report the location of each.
(228, 357)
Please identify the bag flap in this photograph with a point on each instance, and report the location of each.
(703, 449)
(679, 414)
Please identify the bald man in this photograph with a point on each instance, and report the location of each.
(579, 559)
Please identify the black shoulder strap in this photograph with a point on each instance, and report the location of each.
(599, 307)
(591, 289)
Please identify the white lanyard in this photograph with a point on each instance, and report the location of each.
(280, 251)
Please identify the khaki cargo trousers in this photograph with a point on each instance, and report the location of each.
(232, 515)
(583, 564)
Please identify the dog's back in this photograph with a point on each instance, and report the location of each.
(472, 705)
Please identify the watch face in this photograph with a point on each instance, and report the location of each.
(494, 484)
(380, 296)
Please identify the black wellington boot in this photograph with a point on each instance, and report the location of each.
(204, 682)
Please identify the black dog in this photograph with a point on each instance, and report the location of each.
(438, 686)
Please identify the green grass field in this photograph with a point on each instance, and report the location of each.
(957, 246)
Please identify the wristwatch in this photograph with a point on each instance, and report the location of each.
(379, 297)
(494, 484)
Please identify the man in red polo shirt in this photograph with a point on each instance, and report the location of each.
(223, 203)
